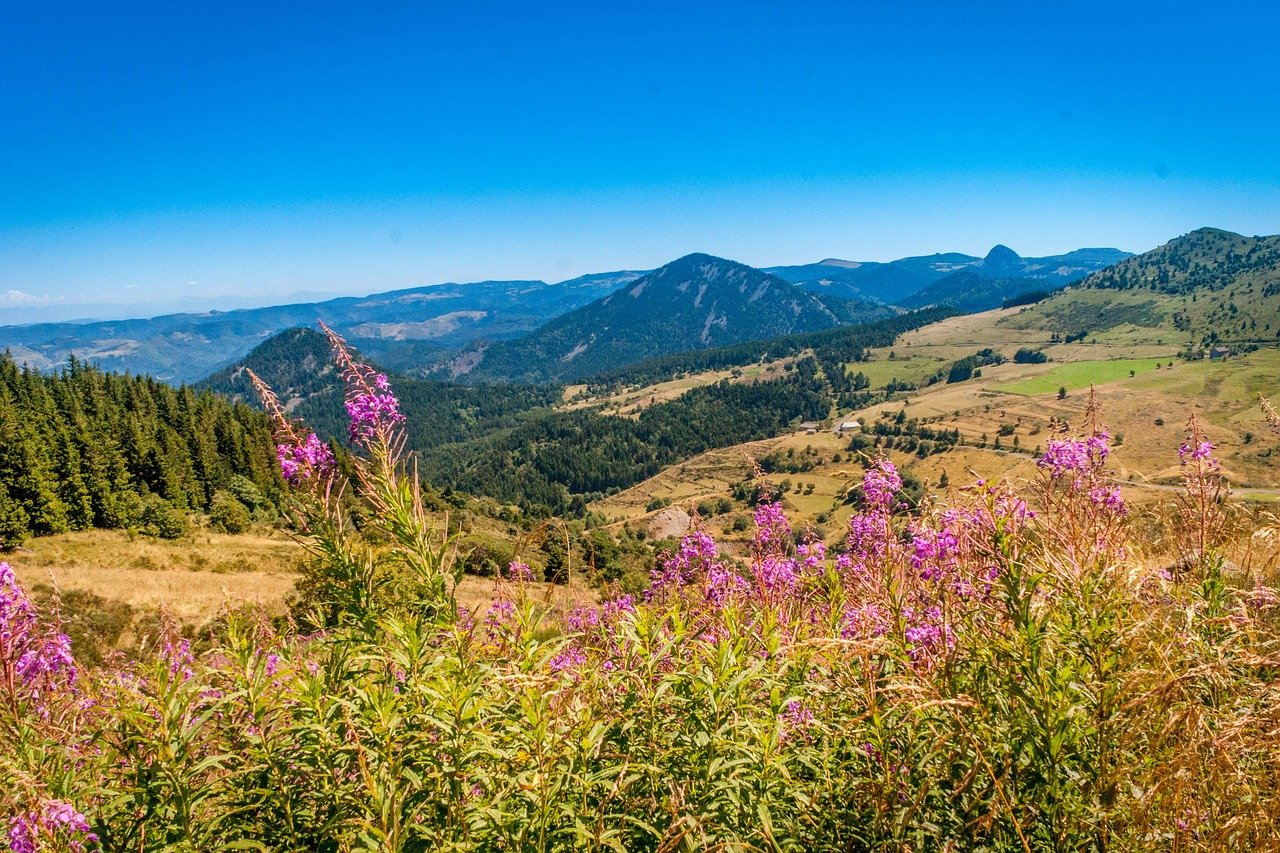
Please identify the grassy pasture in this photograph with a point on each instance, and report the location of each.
(1080, 374)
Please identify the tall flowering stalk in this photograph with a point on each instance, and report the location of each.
(35, 663)
(1078, 490)
(390, 483)
(1203, 522)
(1269, 413)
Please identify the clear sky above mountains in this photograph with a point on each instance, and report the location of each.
(151, 151)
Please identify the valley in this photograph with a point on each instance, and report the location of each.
(657, 428)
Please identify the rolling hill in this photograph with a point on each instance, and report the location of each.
(695, 302)
(1207, 287)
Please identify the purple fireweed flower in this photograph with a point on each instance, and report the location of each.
(722, 585)
(796, 720)
(518, 571)
(1073, 460)
(925, 631)
(56, 821)
(35, 663)
(863, 622)
(933, 552)
(1108, 498)
(1063, 457)
(880, 484)
(569, 660)
(273, 664)
(583, 619)
(180, 659)
(373, 411)
(616, 608)
(772, 527)
(309, 459)
(777, 574)
(867, 541)
(813, 554)
(1201, 452)
(22, 834)
(499, 619)
(696, 556)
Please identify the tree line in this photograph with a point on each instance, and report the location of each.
(82, 448)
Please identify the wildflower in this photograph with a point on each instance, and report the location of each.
(881, 484)
(373, 411)
(36, 663)
(583, 619)
(777, 574)
(696, 556)
(1064, 456)
(796, 720)
(616, 608)
(180, 659)
(568, 660)
(518, 571)
(772, 527)
(1108, 498)
(55, 821)
(309, 459)
(1198, 451)
(498, 618)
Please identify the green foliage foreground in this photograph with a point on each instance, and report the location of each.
(1002, 673)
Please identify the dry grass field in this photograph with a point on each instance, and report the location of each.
(191, 581)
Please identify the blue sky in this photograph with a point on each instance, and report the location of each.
(160, 152)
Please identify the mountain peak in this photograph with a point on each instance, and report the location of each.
(694, 302)
(1001, 254)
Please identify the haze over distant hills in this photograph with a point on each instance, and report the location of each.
(401, 328)
(418, 328)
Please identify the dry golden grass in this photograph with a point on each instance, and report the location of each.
(194, 579)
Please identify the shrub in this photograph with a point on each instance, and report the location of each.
(161, 519)
(228, 514)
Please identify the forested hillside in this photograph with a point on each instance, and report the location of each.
(82, 448)
(830, 347)
(971, 292)
(508, 442)
(695, 302)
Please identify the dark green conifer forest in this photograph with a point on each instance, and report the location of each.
(82, 448)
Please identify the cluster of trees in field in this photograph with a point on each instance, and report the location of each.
(83, 448)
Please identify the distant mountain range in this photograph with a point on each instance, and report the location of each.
(402, 328)
(417, 329)
(895, 281)
(696, 302)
